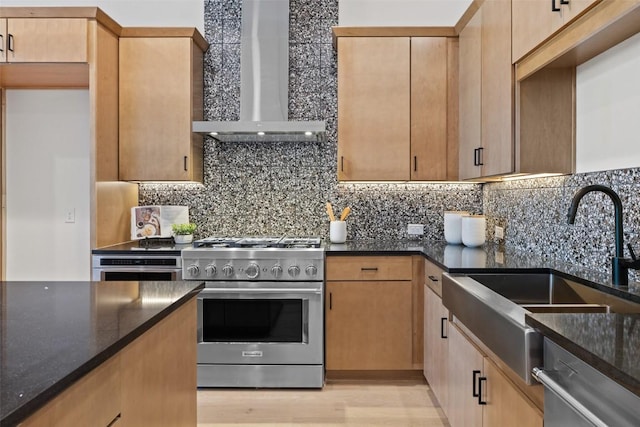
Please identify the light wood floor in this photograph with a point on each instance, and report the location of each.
(339, 403)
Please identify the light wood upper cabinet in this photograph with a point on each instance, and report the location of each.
(373, 108)
(161, 93)
(497, 89)
(487, 93)
(535, 20)
(429, 113)
(470, 97)
(44, 40)
(396, 108)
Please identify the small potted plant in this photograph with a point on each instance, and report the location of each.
(183, 233)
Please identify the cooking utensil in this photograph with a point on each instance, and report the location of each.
(345, 213)
(332, 216)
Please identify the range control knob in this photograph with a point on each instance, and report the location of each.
(227, 270)
(294, 271)
(311, 270)
(210, 270)
(252, 270)
(276, 270)
(193, 270)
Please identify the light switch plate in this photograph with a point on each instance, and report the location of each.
(415, 229)
(499, 232)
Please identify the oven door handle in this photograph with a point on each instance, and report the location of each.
(212, 291)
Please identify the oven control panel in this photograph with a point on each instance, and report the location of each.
(292, 267)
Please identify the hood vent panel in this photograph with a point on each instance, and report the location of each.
(264, 82)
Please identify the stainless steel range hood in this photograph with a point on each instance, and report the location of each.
(264, 81)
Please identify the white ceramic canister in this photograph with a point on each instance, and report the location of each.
(453, 226)
(474, 229)
(338, 231)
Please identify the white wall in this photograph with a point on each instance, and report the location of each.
(47, 174)
(608, 109)
(136, 13)
(380, 13)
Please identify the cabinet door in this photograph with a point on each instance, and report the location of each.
(497, 89)
(436, 346)
(3, 41)
(46, 40)
(373, 108)
(368, 326)
(506, 406)
(429, 77)
(533, 21)
(470, 77)
(465, 369)
(156, 83)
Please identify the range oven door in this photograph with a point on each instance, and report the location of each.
(272, 324)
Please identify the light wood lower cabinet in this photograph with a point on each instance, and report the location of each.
(151, 382)
(436, 346)
(371, 313)
(479, 393)
(368, 325)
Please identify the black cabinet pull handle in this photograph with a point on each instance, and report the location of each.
(480, 156)
(369, 269)
(330, 301)
(475, 380)
(475, 157)
(185, 162)
(480, 381)
(1, 43)
(554, 8)
(443, 321)
(564, 1)
(10, 43)
(115, 420)
(341, 163)
(415, 163)
(433, 278)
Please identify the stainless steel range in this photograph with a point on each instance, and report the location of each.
(260, 316)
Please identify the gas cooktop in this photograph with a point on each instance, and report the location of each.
(286, 242)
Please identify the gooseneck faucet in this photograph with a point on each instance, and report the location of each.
(620, 265)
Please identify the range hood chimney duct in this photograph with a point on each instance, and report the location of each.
(264, 81)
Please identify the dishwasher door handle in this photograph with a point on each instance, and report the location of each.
(557, 389)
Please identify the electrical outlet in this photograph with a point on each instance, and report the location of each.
(415, 229)
(499, 232)
(70, 216)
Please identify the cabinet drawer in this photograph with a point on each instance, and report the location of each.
(433, 277)
(369, 268)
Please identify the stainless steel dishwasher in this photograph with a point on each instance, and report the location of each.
(576, 394)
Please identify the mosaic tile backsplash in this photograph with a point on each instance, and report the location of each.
(534, 214)
(278, 188)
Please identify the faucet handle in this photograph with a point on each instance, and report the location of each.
(633, 254)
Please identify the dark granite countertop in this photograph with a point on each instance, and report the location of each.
(608, 342)
(489, 258)
(53, 333)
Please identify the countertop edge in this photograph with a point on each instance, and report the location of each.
(33, 405)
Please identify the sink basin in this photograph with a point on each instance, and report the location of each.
(534, 291)
(493, 307)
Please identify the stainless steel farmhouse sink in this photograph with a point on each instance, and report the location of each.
(493, 307)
